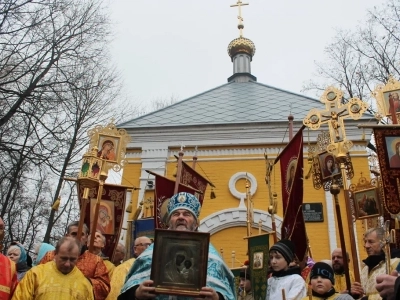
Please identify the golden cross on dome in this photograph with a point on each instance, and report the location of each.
(239, 4)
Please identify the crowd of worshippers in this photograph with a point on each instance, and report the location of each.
(70, 271)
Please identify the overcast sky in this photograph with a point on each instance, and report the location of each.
(179, 47)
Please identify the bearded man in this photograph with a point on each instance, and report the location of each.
(183, 213)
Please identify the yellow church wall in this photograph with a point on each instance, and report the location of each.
(219, 170)
(131, 176)
(229, 240)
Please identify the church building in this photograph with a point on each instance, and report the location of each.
(230, 128)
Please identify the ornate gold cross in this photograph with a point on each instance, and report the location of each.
(334, 114)
(239, 4)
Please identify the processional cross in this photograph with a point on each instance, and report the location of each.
(239, 4)
(334, 114)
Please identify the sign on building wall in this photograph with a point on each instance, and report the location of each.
(313, 212)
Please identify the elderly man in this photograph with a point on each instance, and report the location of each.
(120, 272)
(338, 269)
(375, 265)
(141, 244)
(91, 265)
(98, 245)
(119, 254)
(72, 230)
(183, 213)
(8, 272)
(59, 279)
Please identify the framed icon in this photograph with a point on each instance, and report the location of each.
(366, 203)
(328, 165)
(108, 148)
(392, 102)
(181, 257)
(393, 151)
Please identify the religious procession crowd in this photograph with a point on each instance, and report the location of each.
(70, 271)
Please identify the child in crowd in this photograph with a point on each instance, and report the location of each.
(283, 277)
(322, 281)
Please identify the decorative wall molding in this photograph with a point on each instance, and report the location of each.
(272, 153)
(232, 186)
(236, 217)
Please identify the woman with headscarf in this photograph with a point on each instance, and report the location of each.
(41, 250)
(17, 254)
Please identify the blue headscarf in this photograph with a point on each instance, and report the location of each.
(44, 248)
(23, 256)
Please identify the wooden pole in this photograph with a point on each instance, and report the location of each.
(274, 228)
(290, 118)
(335, 190)
(352, 236)
(85, 200)
(194, 158)
(96, 216)
(179, 172)
(249, 218)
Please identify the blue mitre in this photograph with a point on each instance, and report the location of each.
(184, 201)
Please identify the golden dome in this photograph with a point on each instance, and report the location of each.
(241, 45)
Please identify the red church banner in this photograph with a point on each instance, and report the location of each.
(164, 190)
(111, 213)
(388, 150)
(191, 178)
(291, 163)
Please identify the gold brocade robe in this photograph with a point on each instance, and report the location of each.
(46, 282)
(340, 281)
(93, 267)
(249, 296)
(110, 267)
(118, 278)
(368, 279)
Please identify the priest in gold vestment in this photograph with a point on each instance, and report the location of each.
(59, 279)
(91, 265)
(120, 272)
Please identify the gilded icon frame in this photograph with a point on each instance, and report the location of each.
(360, 197)
(190, 275)
(325, 173)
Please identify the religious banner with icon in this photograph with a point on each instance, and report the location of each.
(111, 213)
(258, 249)
(388, 100)
(388, 151)
(164, 190)
(110, 144)
(291, 163)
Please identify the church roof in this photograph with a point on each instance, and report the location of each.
(231, 103)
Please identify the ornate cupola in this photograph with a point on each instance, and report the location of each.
(241, 50)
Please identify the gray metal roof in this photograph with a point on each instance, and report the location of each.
(231, 103)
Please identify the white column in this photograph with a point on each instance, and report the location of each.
(330, 211)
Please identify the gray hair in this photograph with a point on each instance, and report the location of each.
(380, 233)
(76, 223)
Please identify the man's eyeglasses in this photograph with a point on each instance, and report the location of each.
(143, 244)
